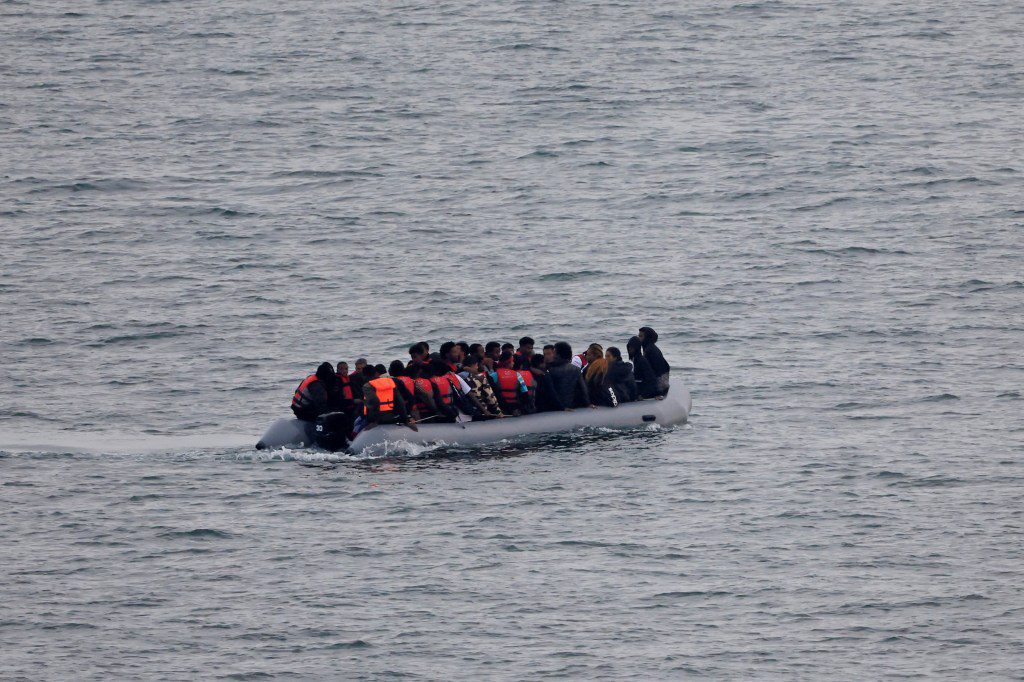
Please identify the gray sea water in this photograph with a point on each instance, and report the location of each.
(818, 205)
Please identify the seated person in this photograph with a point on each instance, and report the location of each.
(513, 393)
(619, 377)
(569, 390)
(480, 391)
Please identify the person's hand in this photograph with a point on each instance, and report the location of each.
(659, 397)
(593, 407)
(412, 425)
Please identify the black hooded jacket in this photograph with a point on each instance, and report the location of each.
(569, 388)
(646, 382)
(653, 354)
(620, 379)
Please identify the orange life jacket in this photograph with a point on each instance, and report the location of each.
(346, 387)
(302, 398)
(385, 389)
(508, 385)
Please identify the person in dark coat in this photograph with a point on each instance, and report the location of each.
(646, 382)
(569, 390)
(619, 377)
(660, 367)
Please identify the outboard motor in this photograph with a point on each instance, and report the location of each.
(331, 431)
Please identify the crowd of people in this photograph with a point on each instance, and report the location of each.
(463, 382)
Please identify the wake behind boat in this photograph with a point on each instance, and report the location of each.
(674, 409)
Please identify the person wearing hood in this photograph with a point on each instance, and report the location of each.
(649, 340)
(646, 382)
(317, 394)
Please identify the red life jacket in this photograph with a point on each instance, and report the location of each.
(346, 387)
(444, 387)
(410, 385)
(427, 387)
(302, 398)
(528, 379)
(508, 385)
(385, 389)
(583, 360)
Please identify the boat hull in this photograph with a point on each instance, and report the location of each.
(674, 409)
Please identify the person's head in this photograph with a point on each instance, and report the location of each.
(416, 352)
(476, 349)
(449, 351)
(325, 372)
(492, 350)
(360, 364)
(369, 372)
(439, 367)
(414, 370)
(463, 347)
(471, 363)
(526, 345)
(613, 354)
(508, 347)
(396, 368)
(633, 346)
(537, 361)
(381, 370)
(648, 335)
(343, 368)
(563, 351)
(594, 352)
(505, 359)
(549, 353)
(596, 369)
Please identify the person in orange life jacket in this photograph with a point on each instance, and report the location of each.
(347, 397)
(523, 354)
(312, 397)
(423, 406)
(415, 398)
(481, 395)
(549, 354)
(512, 391)
(383, 402)
(445, 394)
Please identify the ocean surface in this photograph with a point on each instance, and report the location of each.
(819, 206)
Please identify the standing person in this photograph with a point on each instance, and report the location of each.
(660, 366)
(569, 389)
(646, 382)
(620, 377)
(523, 354)
(312, 398)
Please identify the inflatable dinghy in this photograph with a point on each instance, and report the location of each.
(673, 409)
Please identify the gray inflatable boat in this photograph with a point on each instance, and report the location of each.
(674, 409)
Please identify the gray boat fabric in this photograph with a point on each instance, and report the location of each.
(674, 409)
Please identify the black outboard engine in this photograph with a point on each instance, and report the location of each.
(331, 431)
